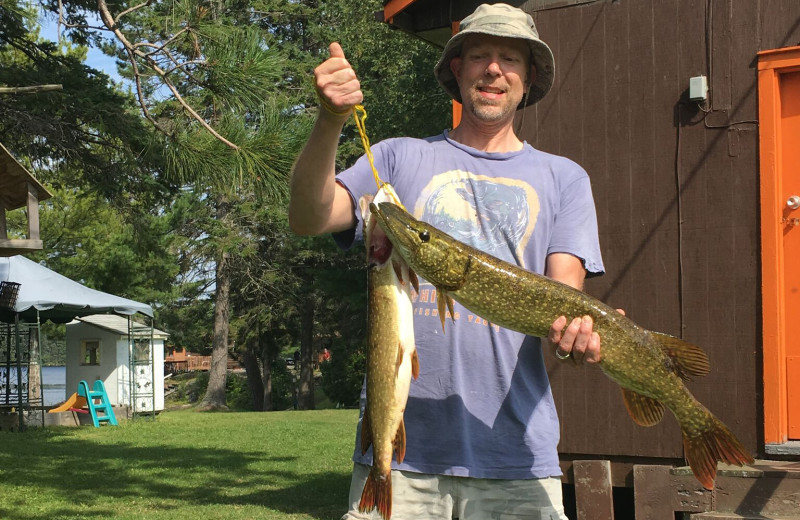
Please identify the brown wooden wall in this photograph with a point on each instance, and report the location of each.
(677, 193)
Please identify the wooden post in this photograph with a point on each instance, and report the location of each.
(594, 497)
(3, 229)
(33, 212)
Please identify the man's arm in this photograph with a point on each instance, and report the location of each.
(318, 204)
(578, 339)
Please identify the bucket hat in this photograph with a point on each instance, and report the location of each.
(508, 22)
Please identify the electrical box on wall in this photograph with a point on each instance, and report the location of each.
(698, 88)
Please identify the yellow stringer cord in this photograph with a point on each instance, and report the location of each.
(360, 115)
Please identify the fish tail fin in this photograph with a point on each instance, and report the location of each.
(377, 494)
(716, 443)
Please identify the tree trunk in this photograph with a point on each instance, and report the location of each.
(34, 368)
(253, 371)
(305, 391)
(266, 362)
(217, 376)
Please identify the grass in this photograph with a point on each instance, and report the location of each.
(184, 465)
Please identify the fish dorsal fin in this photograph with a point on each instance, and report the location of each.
(414, 365)
(687, 360)
(644, 410)
(366, 432)
(399, 442)
(444, 303)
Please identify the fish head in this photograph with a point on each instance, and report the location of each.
(379, 248)
(432, 253)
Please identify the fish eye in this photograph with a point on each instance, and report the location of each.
(424, 236)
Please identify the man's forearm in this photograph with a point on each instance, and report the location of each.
(312, 209)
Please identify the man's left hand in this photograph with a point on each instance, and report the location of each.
(577, 340)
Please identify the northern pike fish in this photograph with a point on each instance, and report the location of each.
(650, 367)
(391, 358)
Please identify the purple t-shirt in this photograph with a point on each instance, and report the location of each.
(482, 406)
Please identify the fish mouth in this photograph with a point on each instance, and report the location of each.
(397, 223)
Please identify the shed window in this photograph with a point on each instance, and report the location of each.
(141, 350)
(90, 352)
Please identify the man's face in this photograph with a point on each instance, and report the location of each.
(493, 74)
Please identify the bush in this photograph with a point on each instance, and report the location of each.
(191, 387)
(343, 375)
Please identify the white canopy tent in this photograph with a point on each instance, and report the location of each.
(56, 297)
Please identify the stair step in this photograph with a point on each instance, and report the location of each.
(714, 515)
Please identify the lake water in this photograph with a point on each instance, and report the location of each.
(54, 385)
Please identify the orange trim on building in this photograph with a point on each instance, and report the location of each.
(456, 105)
(393, 7)
(771, 64)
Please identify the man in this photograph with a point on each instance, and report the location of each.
(481, 425)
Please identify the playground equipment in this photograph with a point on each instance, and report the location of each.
(73, 403)
(84, 400)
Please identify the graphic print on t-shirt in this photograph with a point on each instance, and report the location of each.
(494, 214)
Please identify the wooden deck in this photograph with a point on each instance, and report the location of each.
(765, 490)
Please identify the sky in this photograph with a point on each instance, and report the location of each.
(95, 58)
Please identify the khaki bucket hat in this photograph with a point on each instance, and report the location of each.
(505, 21)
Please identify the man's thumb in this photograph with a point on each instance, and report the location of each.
(335, 50)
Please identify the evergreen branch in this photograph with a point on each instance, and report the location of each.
(158, 48)
(108, 20)
(182, 65)
(131, 9)
(35, 89)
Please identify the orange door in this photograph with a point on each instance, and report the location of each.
(779, 135)
(790, 183)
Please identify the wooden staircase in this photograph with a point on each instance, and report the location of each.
(765, 490)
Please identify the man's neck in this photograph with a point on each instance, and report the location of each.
(487, 137)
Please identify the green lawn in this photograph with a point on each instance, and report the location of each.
(184, 465)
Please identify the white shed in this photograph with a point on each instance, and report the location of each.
(98, 347)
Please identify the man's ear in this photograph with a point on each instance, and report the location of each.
(531, 77)
(455, 67)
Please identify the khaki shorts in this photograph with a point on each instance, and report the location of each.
(432, 497)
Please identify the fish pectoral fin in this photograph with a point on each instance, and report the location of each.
(412, 275)
(398, 271)
(366, 432)
(415, 365)
(399, 360)
(687, 360)
(449, 301)
(645, 411)
(441, 305)
(399, 442)
(444, 303)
